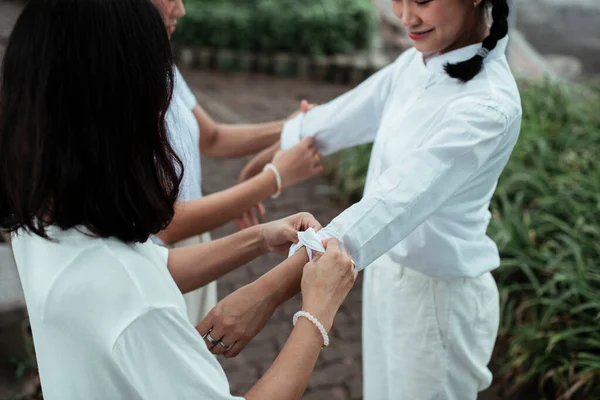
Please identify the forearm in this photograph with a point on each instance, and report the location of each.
(205, 214)
(260, 160)
(230, 141)
(299, 355)
(195, 266)
(283, 282)
(289, 374)
(266, 156)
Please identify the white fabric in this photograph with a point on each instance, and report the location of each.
(184, 134)
(439, 148)
(185, 138)
(200, 301)
(109, 322)
(426, 338)
(310, 240)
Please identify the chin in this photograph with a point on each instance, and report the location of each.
(424, 48)
(427, 47)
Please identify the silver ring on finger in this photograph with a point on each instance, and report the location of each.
(224, 346)
(210, 338)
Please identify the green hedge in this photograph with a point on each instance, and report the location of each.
(312, 27)
(547, 226)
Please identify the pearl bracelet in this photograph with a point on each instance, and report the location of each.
(315, 321)
(273, 168)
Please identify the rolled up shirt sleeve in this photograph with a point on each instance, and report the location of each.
(349, 120)
(413, 188)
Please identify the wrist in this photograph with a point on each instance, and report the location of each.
(267, 291)
(317, 324)
(272, 171)
(258, 233)
(321, 313)
(279, 127)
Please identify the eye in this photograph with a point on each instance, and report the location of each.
(422, 3)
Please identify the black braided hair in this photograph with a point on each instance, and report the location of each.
(466, 70)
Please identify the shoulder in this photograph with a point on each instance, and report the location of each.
(104, 276)
(494, 90)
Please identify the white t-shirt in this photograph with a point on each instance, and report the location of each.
(109, 322)
(184, 134)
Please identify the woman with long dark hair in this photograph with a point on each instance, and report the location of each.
(87, 175)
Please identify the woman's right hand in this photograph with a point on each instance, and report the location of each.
(299, 163)
(326, 281)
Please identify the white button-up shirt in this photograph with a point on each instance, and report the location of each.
(439, 148)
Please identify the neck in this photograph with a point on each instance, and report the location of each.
(472, 36)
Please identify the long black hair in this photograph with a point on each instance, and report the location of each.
(84, 89)
(466, 70)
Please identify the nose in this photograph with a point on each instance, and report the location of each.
(408, 16)
(179, 11)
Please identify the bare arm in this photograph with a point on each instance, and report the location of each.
(201, 215)
(297, 359)
(216, 258)
(325, 283)
(259, 161)
(205, 214)
(194, 266)
(230, 141)
(242, 314)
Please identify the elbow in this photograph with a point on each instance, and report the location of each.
(209, 144)
(167, 236)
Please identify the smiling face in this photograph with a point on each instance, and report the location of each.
(171, 10)
(440, 26)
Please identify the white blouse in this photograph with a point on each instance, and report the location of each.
(439, 148)
(184, 134)
(109, 322)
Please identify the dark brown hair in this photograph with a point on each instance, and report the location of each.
(466, 70)
(85, 86)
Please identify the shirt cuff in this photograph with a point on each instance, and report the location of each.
(291, 132)
(312, 241)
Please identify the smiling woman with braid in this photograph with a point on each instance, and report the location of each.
(443, 119)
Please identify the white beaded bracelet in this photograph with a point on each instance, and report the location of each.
(273, 168)
(316, 322)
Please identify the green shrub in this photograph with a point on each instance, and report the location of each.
(312, 27)
(547, 226)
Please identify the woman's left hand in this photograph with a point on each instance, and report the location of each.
(278, 236)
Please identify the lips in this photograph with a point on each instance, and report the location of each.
(419, 35)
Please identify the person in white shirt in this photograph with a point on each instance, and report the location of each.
(86, 177)
(192, 131)
(443, 119)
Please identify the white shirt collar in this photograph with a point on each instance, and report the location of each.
(435, 63)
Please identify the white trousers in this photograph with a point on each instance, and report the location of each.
(200, 301)
(426, 338)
